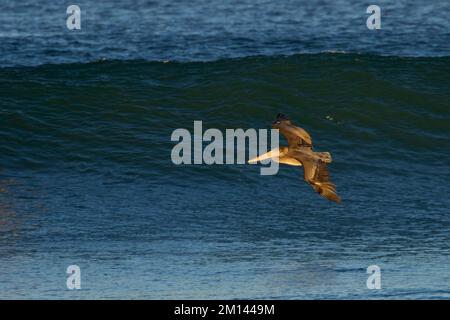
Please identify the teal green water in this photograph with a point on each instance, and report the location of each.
(87, 179)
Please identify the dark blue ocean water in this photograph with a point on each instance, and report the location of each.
(35, 32)
(86, 176)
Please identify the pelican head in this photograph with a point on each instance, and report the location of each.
(274, 154)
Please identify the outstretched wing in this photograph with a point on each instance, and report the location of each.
(317, 175)
(296, 136)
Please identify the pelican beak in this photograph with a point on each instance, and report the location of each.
(269, 155)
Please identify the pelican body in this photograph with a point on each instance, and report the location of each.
(299, 152)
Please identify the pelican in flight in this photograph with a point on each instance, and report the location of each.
(299, 152)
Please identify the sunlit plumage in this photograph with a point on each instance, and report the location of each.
(299, 152)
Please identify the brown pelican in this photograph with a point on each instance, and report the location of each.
(299, 152)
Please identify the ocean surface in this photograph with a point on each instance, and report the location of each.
(86, 176)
